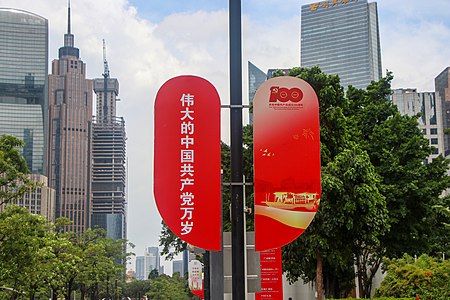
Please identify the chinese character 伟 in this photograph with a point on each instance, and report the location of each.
(187, 100)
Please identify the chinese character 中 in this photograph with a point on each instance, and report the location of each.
(186, 141)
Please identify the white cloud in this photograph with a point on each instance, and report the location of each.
(414, 39)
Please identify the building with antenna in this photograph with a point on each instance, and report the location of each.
(109, 159)
(70, 140)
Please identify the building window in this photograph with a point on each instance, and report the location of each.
(433, 130)
(434, 141)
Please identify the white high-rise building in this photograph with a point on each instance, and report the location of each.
(429, 106)
(147, 263)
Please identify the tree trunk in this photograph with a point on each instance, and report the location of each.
(82, 291)
(319, 280)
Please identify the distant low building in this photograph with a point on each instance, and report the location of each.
(429, 106)
(131, 276)
(40, 201)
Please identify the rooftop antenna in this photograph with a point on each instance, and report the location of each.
(68, 19)
(105, 84)
(105, 63)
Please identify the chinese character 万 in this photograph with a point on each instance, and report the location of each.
(187, 214)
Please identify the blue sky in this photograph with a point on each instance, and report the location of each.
(150, 41)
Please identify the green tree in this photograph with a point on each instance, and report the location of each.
(398, 150)
(14, 182)
(347, 226)
(153, 274)
(136, 288)
(165, 287)
(23, 248)
(329, 245)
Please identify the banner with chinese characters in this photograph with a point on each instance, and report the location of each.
(195, 277)
(187, 160)
(271, 275)
(286, 147)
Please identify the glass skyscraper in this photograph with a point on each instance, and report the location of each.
(256, 77)
(23, 83)
(342, 37)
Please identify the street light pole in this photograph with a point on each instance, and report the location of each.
(237, 203)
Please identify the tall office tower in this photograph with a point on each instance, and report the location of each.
(23, 83)
(152, 261)
(109, 159)
(70, 124)
(342, 37)
(428, 104)
(147, 263)
(442, 87)
(177, 267)
(140, 268)
(23, 98)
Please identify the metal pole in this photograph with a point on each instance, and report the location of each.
(206, 275)
(237, 203)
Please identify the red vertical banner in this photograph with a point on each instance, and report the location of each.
(271, 275)
(187, 160)
(287, 184)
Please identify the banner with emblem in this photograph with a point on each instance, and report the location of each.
(286, 146)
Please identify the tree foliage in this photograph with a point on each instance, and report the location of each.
(426, 277)
(14, 182)
(38, 261)
(165, 287)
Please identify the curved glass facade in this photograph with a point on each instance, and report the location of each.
(23, 82)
